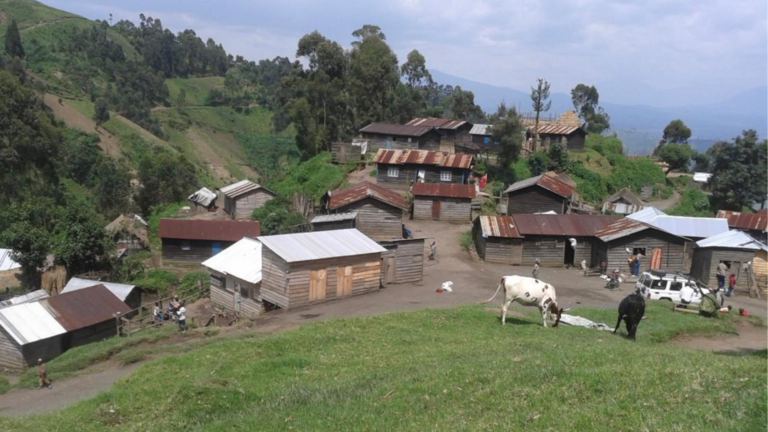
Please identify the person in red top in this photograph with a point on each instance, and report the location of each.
(731, 284)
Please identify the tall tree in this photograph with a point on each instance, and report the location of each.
(585, 99)
(13, 46)
(368, 30)
(541, 103)
(374, 76)
(558, 157)
(676, 155)
(676, 132)
(701, 162)
(740, 171)
(461, 106)
(507, 130)
(101, 111)
(81, 240)
(414, 70)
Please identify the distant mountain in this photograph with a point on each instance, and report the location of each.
(640, 126)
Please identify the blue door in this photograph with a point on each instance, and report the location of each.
(215, 247)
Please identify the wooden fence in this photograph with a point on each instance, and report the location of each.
(143, 317)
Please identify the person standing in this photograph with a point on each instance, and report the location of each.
(42, 375)
(182, 317)
(432, 251)
(636, 264)
(158, 313)
(535, 273)
(731, 285)
(721, 270)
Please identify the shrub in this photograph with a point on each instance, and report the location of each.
(465, 240)
(374, 172)
(520, 170)
(194, 279)
(276, 216)
(494, 188)
(160, 281)
(489, 207)
(634, 173)
(589, 184)
(693, 202)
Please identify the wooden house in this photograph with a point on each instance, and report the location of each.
(399, 169)
(236, 278)
(241, 198)
(128, 294)
(538, 194)
(192, 241)
(754, 224)
(623, 202)
(454, 134)
(734, 248)
(403, 261)
(46, 328)
(396, 136)
(760, 268)
(308, 268)
(626, 237)
(334, 221)
(379, 209)
(203, 201)
(443, 201)
(566, 128)
(481, 135)
(497, 240)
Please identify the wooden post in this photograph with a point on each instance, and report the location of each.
(117, 322)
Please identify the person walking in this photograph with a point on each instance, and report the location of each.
(432, 251)
(535, 273)
(158, 313)
(42, 375)
(721, 270)
(731, 285)
(182, 317)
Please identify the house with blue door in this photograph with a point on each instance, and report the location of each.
(399, 169)
(397, 136)
(481, 135)
(192, 241)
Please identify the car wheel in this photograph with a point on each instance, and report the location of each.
(666, 298)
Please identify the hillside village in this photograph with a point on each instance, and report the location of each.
(173, 204)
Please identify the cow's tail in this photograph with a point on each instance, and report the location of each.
(497, 291)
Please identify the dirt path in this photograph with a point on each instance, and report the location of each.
(360, 175)
(208, 155)
(140, 130)
(75, 119)
(666, 203)
(55, 20)
(749, 339)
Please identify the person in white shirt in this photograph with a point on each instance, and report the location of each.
(181, 314)
(686, 295)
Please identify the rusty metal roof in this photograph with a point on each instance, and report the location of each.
(750, 221)
(440, 123)
(351, 194)
(423, 157)
(498, 226)
(396, 129)
(447, 190)
(83, 308)
(627, 226)
(626, 195)
(236, 189)
(577, 225)
(199, 229)
(547, 181)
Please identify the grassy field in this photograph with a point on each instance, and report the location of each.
(450, 369)
(195, 89)
(592, 160)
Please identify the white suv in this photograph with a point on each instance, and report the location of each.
(662, 285)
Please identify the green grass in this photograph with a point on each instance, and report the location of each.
(28, 13)
(196, 89)
(592, 160)
(5, 386)
(447, 369)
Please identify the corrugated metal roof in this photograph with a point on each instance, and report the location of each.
(480, 129)
(548, 182)
(556, 129)
(576, 225)
(121, 291)
(498, 226)
(29, 322)
(26, 298)
(621, 208)
(440, 123)
(448, 190)
(200, 229)
(6, 262)
(732, 240)
(321, 245)
(686, 226)
(625, 194)
(241, 260)
(337, 217)
(205, 197)
(750, 221)
(236, 189)
(423, 157)
(646, 214)
(626, 226)
(84, 307)
(354, 193)
(396, 129)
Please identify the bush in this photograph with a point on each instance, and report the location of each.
(605, 145)
(520, 170)
(374, 172)
(693, 202)
(634, 173)
(276, 216)
(589, 184)
(494, 188)
(194, 279)
(313, 177)
(160, 281)
(489, 207)
(666, 192)
(465, 240)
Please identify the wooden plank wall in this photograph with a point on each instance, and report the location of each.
(480, 241)
(366, 275)
(391, 249)
(246, 203)
(408, 173)
(731, 255)
(451, 209)
(760, 267)
(274, 282)
(549, 250)
(376, 219)
(534, 199)
(409, 261)
(583, 252)
(11, 356)
(330, 226)
(200, 250)
(672, 250)
(499, 250)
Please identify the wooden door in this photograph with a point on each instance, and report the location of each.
(436, 210)
(343, 281)
(317, 284)
(389, 270)
(656, 256)
(517, 252)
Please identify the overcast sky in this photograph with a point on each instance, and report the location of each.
(656, 52)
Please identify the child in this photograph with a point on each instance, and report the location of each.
(731, 284)
(535, 272)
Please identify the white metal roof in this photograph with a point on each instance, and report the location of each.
(480, 129)
(6, 262)
(241, 260)
(26, 298)
(687, 226)
(29, 322)
(646, 214)
(701, 177)
(121, 291)
(338, 217)
(321, 245)
(203, 197)
(733, 240)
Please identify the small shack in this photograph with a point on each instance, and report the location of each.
(241, 198)
(623, 202)
(481, 135)
(403, 261)
(453, 133)
(47, 328)
(334, 221)
(203, 201)
(10, 270)
(397, 136)
(236, 278)
(538, 194)
(734, 248)
(497, 240)
(308, 268)
(627, 237)
(350, 151)
(379, 210)
(566, 128)
(444, 202)
(129, 231)
(128, 294)
(192, 241)
(398, 169)
(754, 224)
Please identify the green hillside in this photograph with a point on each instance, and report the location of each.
(196, 89)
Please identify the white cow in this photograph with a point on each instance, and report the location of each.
(528, 292)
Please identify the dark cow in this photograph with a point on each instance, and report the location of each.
(631, 310)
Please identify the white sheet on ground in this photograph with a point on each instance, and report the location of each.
(583, 322)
